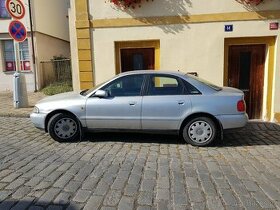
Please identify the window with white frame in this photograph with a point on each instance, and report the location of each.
(3, 11)
(9, 56)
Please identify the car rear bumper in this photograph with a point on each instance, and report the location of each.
(233, 121)
(38, 119)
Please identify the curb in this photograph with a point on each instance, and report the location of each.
(19, 115)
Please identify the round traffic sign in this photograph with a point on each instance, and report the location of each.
(15, 8)
(17, 31)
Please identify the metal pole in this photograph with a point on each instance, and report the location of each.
(17, 76)
(17, 56)
(32, 43)
(20, 90)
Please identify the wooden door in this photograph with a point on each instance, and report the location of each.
(137, 59)
(246, 72)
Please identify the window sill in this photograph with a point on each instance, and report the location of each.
(12, 72)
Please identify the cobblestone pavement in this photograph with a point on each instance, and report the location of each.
(133, 171)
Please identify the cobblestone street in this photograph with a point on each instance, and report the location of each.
(137, 171)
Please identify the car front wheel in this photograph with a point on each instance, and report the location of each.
(199, 131)
(63, 127)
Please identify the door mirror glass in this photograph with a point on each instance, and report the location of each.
(101, 94)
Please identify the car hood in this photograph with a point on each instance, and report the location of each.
(61, 96)
(65, 101)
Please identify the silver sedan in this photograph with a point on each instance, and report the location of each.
(145, 101)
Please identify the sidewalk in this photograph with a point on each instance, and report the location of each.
(7, 108)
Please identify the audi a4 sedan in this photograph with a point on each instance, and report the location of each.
(145, 101)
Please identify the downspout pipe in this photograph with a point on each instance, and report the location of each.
(32, 44)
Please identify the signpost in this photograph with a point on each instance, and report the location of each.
(18, 32)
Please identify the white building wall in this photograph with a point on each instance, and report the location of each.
(73, 46)
(186, 47)
(196, 48)
(51, 21)
(104, 9)
(51, 17)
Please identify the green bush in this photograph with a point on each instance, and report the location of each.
(57, 87)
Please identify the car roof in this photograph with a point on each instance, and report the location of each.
(177, 73)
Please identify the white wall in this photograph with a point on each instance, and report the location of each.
(100, 9)
(187, 47)
(51, 17)
(74, 47)
(50, 20)
(197, 47)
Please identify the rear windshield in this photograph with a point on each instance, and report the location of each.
(209, 84)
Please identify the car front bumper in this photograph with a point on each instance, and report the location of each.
(38, 119)
(233, 121)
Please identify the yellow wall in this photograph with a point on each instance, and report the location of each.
(84, 44)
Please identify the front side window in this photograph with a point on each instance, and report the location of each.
(164, 85)
(125, 86)
(3, 12)
(9, 56)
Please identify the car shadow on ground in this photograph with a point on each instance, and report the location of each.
(255, 133)
(31, 203)
(133, 138)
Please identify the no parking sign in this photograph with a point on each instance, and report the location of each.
(17, 31)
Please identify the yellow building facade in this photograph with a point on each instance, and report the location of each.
(229, 43)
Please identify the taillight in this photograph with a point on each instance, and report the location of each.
(241, 106)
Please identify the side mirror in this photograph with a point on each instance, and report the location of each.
(101, 94)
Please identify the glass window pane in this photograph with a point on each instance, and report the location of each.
(162, 85)
(3, 11)
(125, 86)
(9, 50)
(24, 52)
(9, 55)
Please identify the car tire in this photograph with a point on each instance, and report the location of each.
(199, 131)
(64, 127)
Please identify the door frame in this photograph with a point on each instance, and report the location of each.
(136, 44)
(269, 69)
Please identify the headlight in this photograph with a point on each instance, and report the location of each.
(35, 109)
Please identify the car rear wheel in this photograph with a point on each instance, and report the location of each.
(200, 131)
(64, 127)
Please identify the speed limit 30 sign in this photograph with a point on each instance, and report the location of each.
(15, 8)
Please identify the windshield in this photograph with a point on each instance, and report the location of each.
(209, 84)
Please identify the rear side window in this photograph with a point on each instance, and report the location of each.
(164, 85)
(191, 90)
(209, 84)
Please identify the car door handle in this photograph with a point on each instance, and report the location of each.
(132, 103)
(181, 102)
